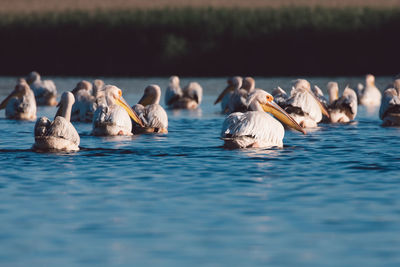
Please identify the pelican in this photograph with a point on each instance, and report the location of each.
(343, 109)
(97, 86)
(113, 114)
(225, 96)
(305, 108)
(188, 98)
(45, 91)
(256, 128)
(320, 95)
(85, 104)
(280, 96)
(152, 115)
(59, 134)
(20, 104)
(370, 94)
(389, 111)
(238, 90)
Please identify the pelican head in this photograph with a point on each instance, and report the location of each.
(114, 97)
(370, 80)
(32, 77)
(249, 84)
(260, 100)
(152, 95)
(234, 83)
(333, 91)
(174, 81)
(302, 83)
(82, 85)
(21, 89)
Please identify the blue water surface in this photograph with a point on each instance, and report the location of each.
(328, 198)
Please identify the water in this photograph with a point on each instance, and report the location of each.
(329, 198)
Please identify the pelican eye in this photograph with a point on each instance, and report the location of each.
(270, 98)
(119, 93)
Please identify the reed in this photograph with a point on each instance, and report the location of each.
(202, 41)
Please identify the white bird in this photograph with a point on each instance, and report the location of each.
(45, 91)
(188, 98)
(85, 102)
(256, 128)
(390, 108)
(370, 94)
(20, 104)
(343, 109)
(149, 111)
(280, 96)
(113, 114)
(320, 95)
(225, 96)
(305, 108)
(97, 86)
(238, 90)
(59, 134)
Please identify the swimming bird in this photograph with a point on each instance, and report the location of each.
(188, 98)
(45, 91)
(113, 114)
(256, 128)
(280, 96)
(238, 90)
(59, 134)
(225, 96)
(343, 109)
(389, 111)
(151, 114)
(85, 102)
(370, 94)
(305, 108)
(20, 104)
(97, 86)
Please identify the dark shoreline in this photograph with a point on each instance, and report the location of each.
(203, 42)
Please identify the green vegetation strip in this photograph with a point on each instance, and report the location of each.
(205, 41)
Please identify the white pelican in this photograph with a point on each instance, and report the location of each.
(98, 86)
(113, 114)
(370, 94)
(20, 104)
(238, 90)
(320, 95)
(280, 96)
(45, 91)
(305, 108)
(85, 103)
(256, 128)
(152, 115)
(389, 111)
(188, 98)
(225, 96)
(343, 109)
(59, 134)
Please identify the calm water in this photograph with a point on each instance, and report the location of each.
(329, 198)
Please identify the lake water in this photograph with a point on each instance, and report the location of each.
(328, 198)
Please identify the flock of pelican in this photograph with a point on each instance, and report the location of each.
(254, 118)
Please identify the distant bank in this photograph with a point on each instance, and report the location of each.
(203, 42)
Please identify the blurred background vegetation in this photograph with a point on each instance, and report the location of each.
(202, 38)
